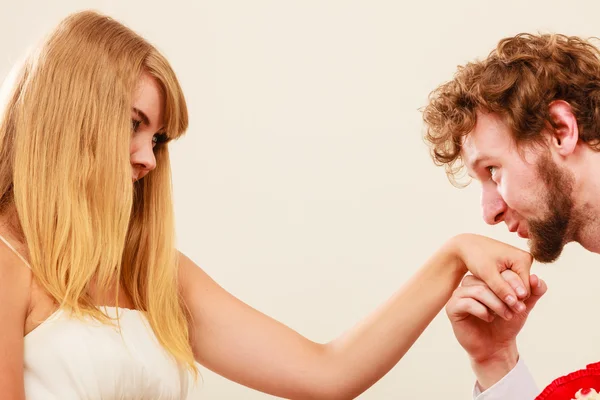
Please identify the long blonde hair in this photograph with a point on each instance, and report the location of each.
(65, 133)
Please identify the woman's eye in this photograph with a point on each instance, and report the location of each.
(492, 170)
(135, 124)
(159, 138)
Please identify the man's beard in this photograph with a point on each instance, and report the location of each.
(548, 236)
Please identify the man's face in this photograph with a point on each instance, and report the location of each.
(526, 190)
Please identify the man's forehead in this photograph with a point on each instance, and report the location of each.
(468, 148)
(489, 135)
(470, 154)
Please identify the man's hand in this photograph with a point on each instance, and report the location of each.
(486, 328)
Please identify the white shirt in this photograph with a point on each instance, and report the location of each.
(67, 358)
(518, 384)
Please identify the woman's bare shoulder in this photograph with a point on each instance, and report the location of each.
(15, 282)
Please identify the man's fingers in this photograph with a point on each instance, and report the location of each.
(483, 295)
(470, 280)
(464, 306)
(538, 289)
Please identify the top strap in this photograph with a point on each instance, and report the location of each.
(15, 251)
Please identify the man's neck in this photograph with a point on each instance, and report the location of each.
(587, 204)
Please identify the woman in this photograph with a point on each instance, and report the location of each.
(95, 301)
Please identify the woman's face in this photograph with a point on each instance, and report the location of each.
(147, 126)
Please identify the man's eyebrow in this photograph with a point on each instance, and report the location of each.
(474, 165)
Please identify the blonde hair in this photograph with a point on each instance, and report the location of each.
(64, 163)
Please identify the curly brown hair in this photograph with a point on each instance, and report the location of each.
(518, 81)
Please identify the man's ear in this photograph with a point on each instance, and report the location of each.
(564, 132)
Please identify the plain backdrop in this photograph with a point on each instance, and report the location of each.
(303, 185)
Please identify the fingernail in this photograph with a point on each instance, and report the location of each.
(508, 315)
(539, 285)
(520, 307)
(521, 291)
(510, 300)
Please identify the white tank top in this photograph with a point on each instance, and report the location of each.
(67, 358)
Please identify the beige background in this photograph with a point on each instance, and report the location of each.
(303, 185)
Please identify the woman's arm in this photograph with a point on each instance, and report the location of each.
(248, 347)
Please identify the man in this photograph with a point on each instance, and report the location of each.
(525, 123)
